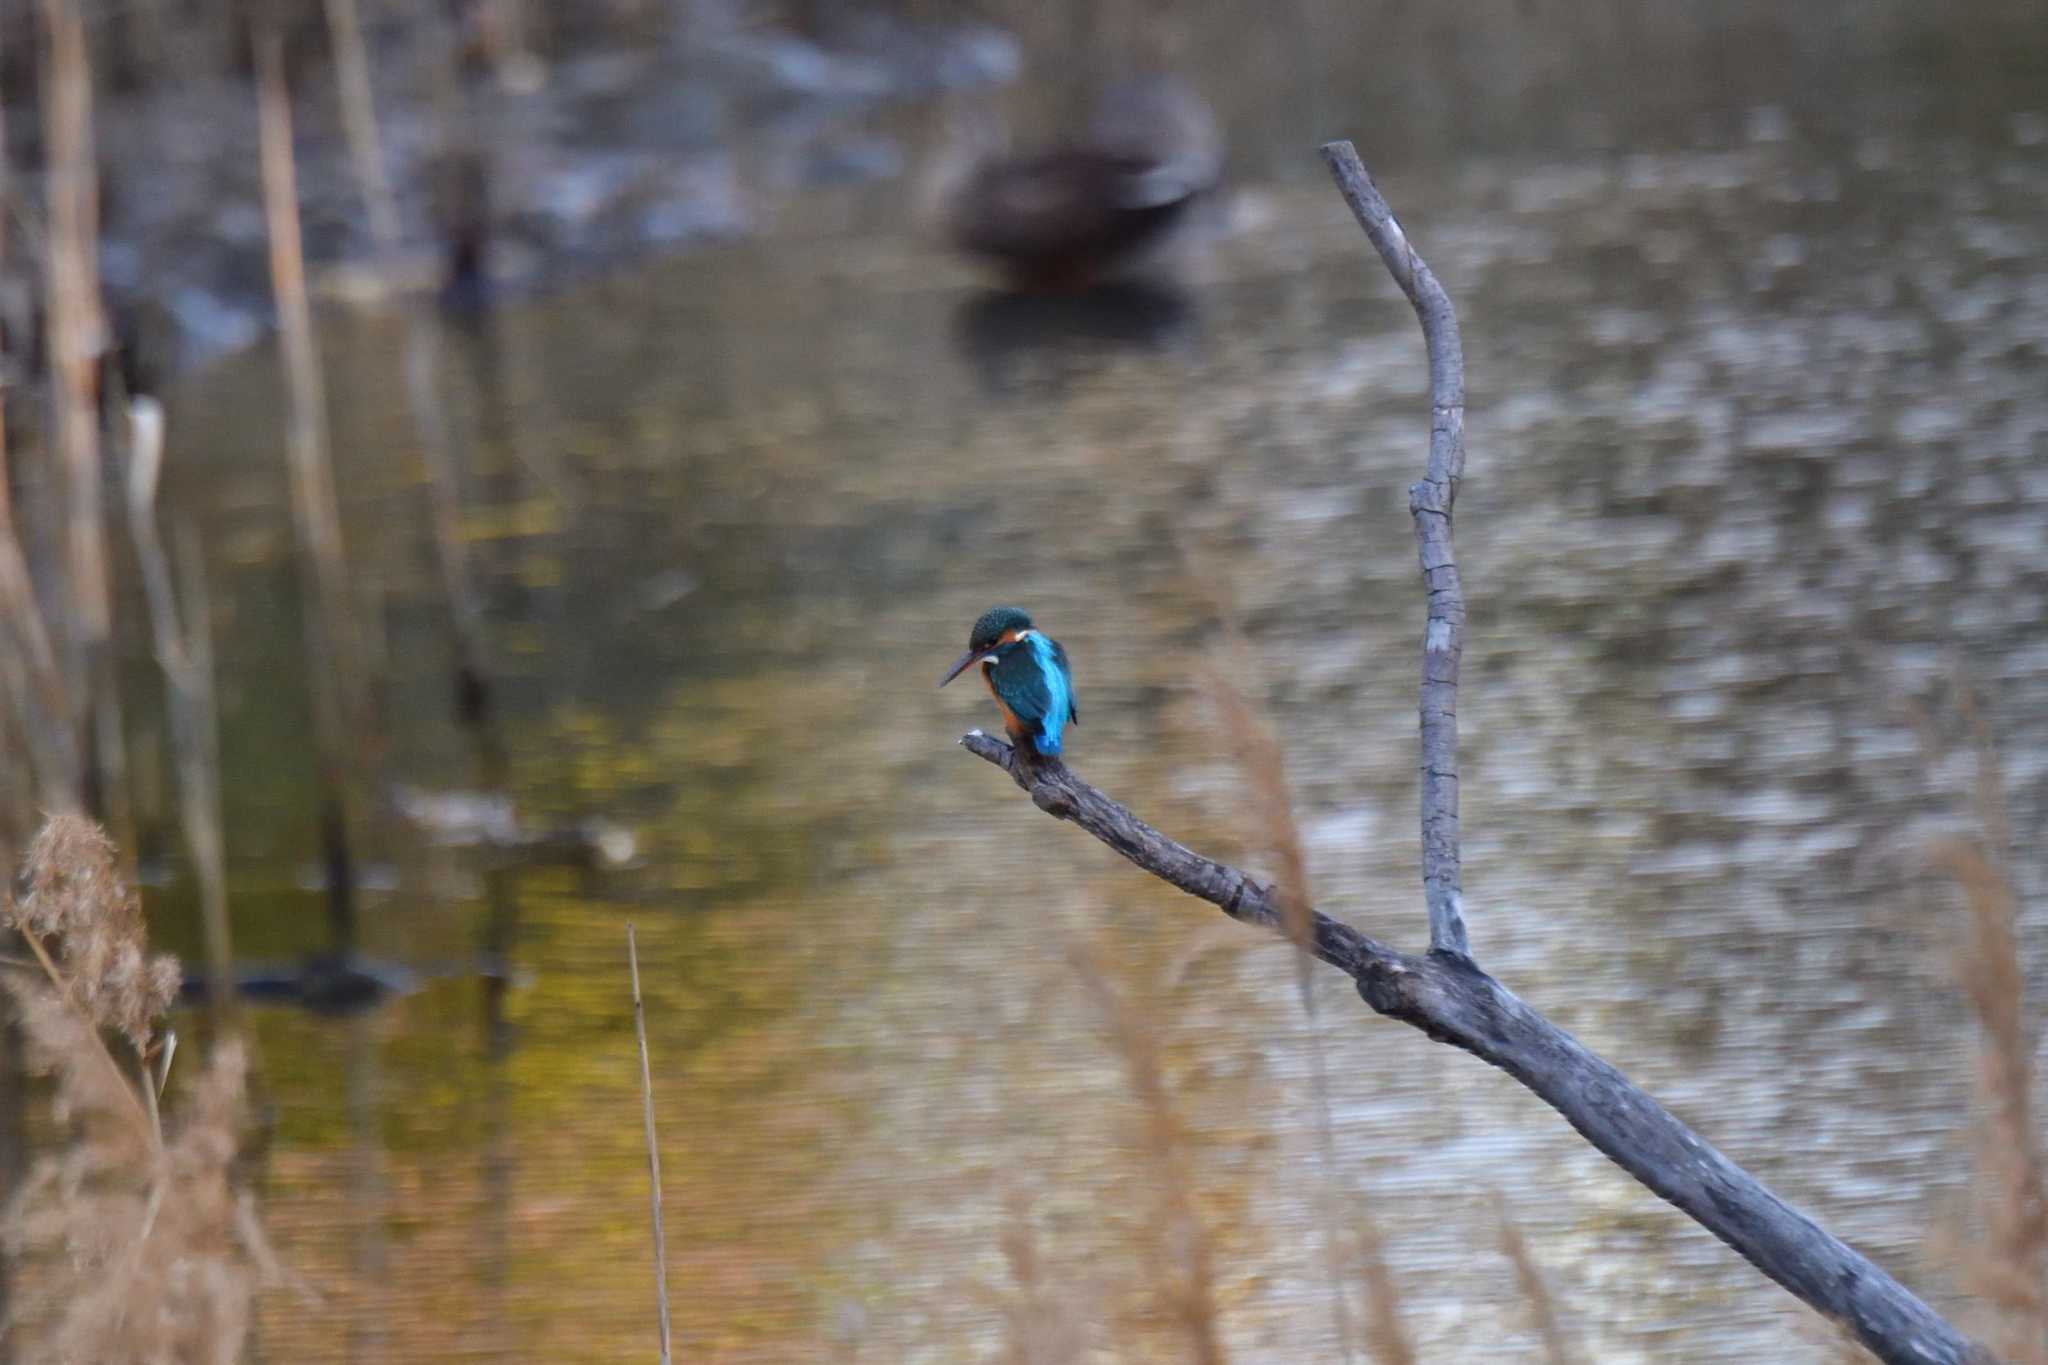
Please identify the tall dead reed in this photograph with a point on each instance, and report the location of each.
(333, 643)
(359, 121)
(1042, 1326)
(1262, 767)
(139, 1243)
(1386, 1336)
(77, 340)
(422, 364)
(653, 1149)
(314, 506)
(184, 651)
(1533, 1287)
(2007, 1265)
(1185, 1260)
(34, 682)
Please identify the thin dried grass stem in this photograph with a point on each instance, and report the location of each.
(359, 119)
(184, 651)
(1534, 1288)
(1180, 1240)
(334, 647)
(422, 371)
(77, 339)
(330, 633)
(653, 1148)
(46, 706)
(1262, 765)
(1385, 1334)
(2008, 1269)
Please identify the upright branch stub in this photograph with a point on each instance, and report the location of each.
(1429, 502)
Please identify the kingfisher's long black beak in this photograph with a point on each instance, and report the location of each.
(960, 665)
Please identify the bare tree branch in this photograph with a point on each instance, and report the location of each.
(1443, 992)
(1449, 998)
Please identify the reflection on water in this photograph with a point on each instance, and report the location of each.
(1759, 438)
(1015, 337)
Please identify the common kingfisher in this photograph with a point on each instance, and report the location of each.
(1027, 674)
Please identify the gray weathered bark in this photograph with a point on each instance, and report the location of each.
(1443, 992)
(1429, 503)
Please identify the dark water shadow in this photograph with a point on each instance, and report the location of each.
(1021, 341)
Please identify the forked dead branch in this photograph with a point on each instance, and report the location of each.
(1443, 992)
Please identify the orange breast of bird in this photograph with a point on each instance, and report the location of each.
(1010, 722)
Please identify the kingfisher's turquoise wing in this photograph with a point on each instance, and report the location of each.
(1034, 682)
(1022, 685)
(1059, 658)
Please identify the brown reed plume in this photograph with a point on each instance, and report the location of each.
(1256, 751)
(1262, 766)
(2007, 1266)
(1534, 1288)
(1042, 1326)
(139, 1243)
(1187, 1270)
(1385, 1335)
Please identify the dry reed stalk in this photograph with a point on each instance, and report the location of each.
(359, 120)
(1535, 1289)
(422, 383)
(473, 671)
(1043, 1326)
(422, 370)
(333, 648)
(653, 1148)
(313, 497)
(1263, 767)
(1254, 748)
(77, 338)
(1386, 1337)
(2007, 1267)
(1180, 1241)
(1988, 795)
(150, 1251)
(184, 650)
(42, 701)
(13, 1140)
(368, 1331)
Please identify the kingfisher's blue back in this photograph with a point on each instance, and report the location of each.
(1030, 677)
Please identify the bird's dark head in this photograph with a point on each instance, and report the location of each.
(995, 623)
(992, 628)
